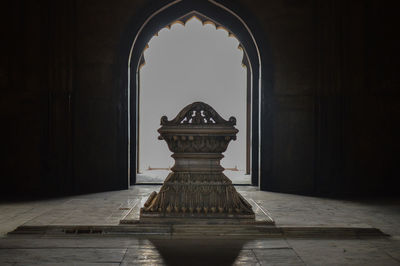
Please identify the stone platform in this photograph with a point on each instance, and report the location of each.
(197, 228)
(262, 217)
(202, 231)
(118, 211)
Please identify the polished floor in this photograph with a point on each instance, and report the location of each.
(287, 210)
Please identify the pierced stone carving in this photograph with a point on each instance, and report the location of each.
(197, 188)
(198, 113)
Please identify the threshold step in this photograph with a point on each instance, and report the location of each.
(203, 231)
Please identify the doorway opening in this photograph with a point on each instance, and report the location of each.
(192, 59)
(210, 13)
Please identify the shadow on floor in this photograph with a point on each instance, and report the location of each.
(198, 252)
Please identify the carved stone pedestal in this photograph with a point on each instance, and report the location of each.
(197, 189)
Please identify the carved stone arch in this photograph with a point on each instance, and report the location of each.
(205, 21)
(154, 19)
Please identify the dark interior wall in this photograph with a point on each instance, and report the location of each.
(26, 100)
(60, 109)
(335, 101)
(290, 27)
(333, 108)
(372, 111)
(100, 161)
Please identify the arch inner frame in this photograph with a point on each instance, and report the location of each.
(181, 12)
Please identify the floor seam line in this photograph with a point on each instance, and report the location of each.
(123, 257)
(295, 252)
(395, 259)
(255, 256)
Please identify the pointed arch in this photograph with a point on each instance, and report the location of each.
(221, 13)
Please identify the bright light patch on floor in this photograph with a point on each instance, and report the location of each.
(185, 64)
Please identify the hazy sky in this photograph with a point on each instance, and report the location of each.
(187, 64)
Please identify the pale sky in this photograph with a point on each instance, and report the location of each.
(185, 64)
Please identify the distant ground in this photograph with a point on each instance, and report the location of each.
(158, 176)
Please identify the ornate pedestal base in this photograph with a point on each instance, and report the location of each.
(197, 195)
(197, 188)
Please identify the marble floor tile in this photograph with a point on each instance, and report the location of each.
(62, 255)
(341, 252)
(278, 256)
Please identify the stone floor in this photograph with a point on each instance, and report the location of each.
(109, 207)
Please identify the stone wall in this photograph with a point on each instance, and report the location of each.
(332, 112)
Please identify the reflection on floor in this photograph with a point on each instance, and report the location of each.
(158, 176)
(109, 207)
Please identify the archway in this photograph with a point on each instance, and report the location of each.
(220, 15)
(192, 60)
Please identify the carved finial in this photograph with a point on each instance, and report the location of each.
(198, 113)
(232, 119)
(164, 120)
